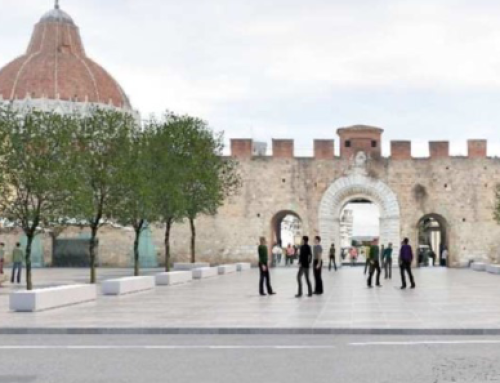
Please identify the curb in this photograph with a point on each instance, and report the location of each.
(242, 331)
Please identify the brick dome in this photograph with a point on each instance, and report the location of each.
(55, 67)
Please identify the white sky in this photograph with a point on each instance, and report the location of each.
(365, 219)
(421, 69)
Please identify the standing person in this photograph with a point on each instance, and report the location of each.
(2, 256)
(367, 258)
(2, 260)
(17, 262)
(432, 255)
(264, 268)
(297, 253)
(290, 252)
(374, 261)
(354, 255)
(387, 261)
(305, 258)
(444, 257)
(332, 258)
(405, 260)
(276, 254)
(318, 266)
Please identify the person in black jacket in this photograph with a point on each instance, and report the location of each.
(304, 263)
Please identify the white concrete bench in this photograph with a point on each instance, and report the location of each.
(205, 272)
(226, 269)
(174, 277)
(51, 297)
(462, 264)
(478, 266)
(242, 266)
(127, 285)
(190, 266)
(493, 269)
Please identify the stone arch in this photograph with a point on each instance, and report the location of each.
(443, 228)
(351, 187)
(276, 223)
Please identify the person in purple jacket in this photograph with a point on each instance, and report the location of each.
(405, 259)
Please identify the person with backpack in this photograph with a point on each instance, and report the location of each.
(405, 260)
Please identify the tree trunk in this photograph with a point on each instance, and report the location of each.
(193, 240)
(167, 244)
(92, 247)
(138, 231)
(29, 283)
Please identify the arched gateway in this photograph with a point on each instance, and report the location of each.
(355, 187)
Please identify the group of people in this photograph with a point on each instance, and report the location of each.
(17, 263)
(313, 257)
(405, 260)
(307, 257)
(293, 252)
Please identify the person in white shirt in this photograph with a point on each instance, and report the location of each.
(277, 252)
(444, 257)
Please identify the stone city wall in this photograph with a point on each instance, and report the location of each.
(459, 189)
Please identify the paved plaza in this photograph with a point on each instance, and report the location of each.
(444, 299)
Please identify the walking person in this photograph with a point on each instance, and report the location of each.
(276, 254)
(17, 262)
(353, 253)
(332, 258)
(2, 256)
(305, 259)
(318, 266)
(290, 253)
(367, 258)
(264, 268)
(444, 257)
(387, 261)
(2, 260)
(405, 260)
(374, 260)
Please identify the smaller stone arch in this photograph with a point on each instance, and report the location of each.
(276, 223)
(443, 229)
(357, 186)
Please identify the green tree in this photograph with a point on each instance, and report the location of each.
(168, 151)
(208, 178)
(496, 212)
(101, 138)
(35, 171)
(136, 179)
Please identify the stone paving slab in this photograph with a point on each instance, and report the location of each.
(446, 301)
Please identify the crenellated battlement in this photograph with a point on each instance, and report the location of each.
(324, 149)
(352, 140)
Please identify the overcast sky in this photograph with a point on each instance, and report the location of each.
(366, 218)
(421, 69)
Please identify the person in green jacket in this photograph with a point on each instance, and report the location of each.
(374, 261)
(264, 268)
(17, 262)
(387, 261)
